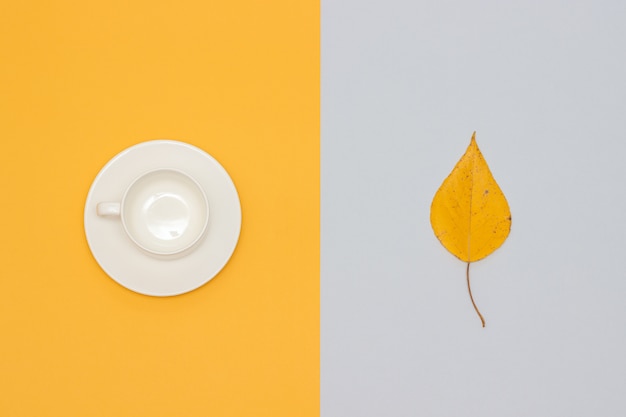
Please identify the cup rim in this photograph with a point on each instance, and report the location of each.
(187, 248)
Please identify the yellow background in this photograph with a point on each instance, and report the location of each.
(81, 81)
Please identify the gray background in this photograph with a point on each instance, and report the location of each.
(404, 84)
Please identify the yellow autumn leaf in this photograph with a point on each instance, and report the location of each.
(469, 213)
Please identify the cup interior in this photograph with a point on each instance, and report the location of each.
(165, 212)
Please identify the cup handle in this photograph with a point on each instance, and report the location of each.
(108, 209)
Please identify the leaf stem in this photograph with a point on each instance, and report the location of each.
(471, 297)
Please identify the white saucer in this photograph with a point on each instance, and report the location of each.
(128, 265)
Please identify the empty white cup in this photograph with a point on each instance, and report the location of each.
(164, 212)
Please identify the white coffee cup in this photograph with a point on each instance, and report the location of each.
(164, 212)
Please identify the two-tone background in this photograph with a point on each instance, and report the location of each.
(337, 123)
